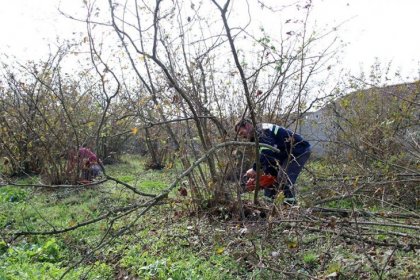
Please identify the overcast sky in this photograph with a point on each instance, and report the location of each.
(386, 29)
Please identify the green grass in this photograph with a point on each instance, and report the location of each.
(132, 171)
(12, 194)
(176, 262)
(30, 209)
(170, 241)
(310, 259)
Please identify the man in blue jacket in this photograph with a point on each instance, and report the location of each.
(284, 165)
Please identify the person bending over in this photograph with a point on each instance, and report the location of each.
(281, 169)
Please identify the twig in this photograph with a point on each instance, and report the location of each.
(372, 262)
(56, 186)
(392, 233)
(335, 198)
(347, 212)
(133, 189)
(380, 224)
(125, 210)
(386, 263)
(121, 232)
(367, 241)
(289, 273)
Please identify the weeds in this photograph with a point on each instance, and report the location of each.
(178, 241)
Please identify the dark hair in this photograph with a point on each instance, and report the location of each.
(241, 123)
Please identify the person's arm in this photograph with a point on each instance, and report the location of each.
(251, 173)
(93, 159)
(85, 163)
(268, 162)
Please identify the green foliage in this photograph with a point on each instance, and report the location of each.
(43, 260)
(132, 166)
(153, 185)
(165, 243)
(3, 219)
(49, 252)
(126, 178)
(310, 259)
(177, 263)
(374, 135)
(334, 267)
(31, 261)
(25, 270)
(12, 194)
(44, 252)
(341, 204)
(3, 247)
(101, 271)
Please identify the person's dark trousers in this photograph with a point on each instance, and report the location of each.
(290, 174)
(292, 171)
(270, 192)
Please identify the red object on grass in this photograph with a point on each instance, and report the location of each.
(265, 182)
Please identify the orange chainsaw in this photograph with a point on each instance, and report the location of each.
(266, 180)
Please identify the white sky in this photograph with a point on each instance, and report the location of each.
(386, 29)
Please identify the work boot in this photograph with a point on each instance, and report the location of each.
(289, 196)
(290, 201)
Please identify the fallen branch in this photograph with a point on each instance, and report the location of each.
(367, 241)
(400, 234)
(362, 213)
(133, 189)
(340, 197)
(380, 224)
(56, 186)
(123, 210)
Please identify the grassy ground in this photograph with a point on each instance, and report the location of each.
(173, 241)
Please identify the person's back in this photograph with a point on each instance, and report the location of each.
(287, 141)
(89, 163)
(86, 153)
(284, 165)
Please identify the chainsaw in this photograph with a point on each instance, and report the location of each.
(266, 180)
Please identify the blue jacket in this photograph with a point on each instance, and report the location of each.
(289, 143)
